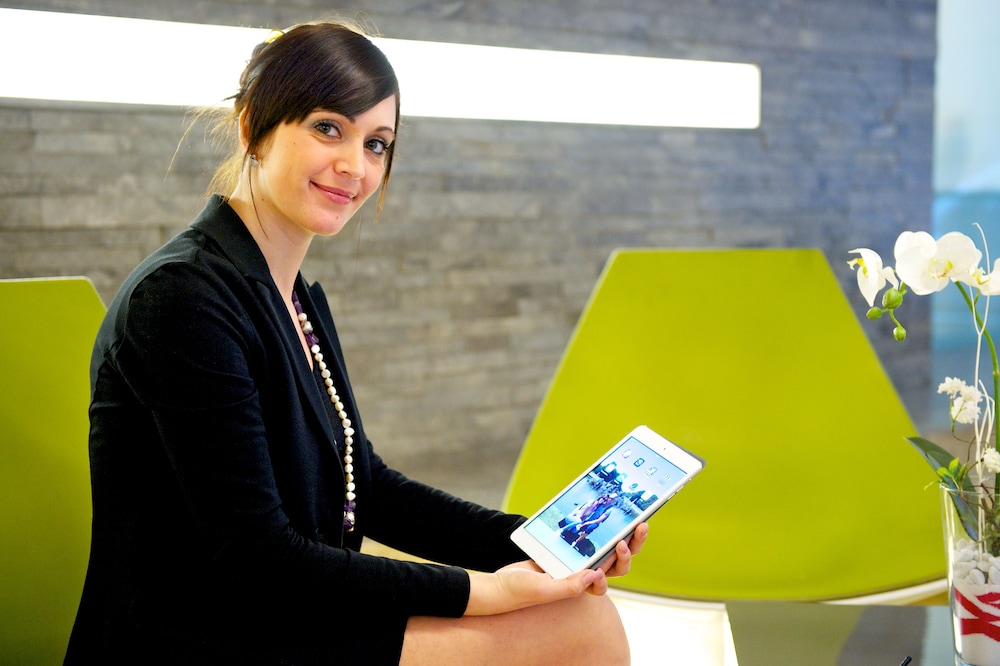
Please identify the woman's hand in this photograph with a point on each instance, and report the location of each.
(524, 584)
(620, 562)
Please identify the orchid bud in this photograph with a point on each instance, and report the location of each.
(874, 313)
(899, 333)
(892, 298)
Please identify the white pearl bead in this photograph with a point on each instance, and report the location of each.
(307, 328)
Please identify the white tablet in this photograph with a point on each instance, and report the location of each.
(581, 525)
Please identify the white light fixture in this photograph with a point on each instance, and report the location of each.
(466, 81)
(79, 57)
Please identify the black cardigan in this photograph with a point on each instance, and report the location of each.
(218, 489)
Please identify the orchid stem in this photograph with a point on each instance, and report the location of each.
(981, 326)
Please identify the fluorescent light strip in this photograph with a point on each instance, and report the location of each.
(87, 58)
(465, 81)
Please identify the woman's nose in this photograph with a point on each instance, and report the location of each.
(351, 161)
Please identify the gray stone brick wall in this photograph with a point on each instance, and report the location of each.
(456, 305)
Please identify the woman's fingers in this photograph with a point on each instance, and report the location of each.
(595, 582)
(638, 538)
(619, 563)
(523, 588)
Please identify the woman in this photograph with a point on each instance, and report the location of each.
(232, 478)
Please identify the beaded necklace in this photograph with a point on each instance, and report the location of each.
(350, 498)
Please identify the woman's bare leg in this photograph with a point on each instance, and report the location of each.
(582, 630)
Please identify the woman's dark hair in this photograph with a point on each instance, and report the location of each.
(327, 65)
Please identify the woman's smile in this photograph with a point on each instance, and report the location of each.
(336, 194)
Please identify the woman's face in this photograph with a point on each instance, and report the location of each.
(315, 174)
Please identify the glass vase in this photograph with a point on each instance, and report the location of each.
(972, 547)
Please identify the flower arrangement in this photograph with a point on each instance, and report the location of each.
(970, 490)
(926, 266)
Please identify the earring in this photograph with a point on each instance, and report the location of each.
(254, 162)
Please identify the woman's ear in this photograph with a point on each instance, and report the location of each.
(244, 129)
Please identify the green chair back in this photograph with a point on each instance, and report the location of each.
(754, 360)
(46, 335)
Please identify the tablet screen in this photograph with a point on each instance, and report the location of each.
(596, 508)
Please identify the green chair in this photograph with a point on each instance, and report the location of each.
(46, 335)
(754, 360)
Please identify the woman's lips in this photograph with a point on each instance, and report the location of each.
(335, 194)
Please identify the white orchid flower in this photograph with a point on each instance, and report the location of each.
(987, 283)
(927, 266)
(872, 275)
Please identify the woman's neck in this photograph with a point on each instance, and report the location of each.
(283, 246)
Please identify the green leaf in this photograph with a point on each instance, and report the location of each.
(952, 475)
(968, 514)
(937, 458)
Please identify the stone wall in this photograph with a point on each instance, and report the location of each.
(455, 306)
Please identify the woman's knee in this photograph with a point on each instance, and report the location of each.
(584, 630)
(600, 632)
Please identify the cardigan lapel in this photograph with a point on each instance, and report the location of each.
(221, 223)
(296, 359)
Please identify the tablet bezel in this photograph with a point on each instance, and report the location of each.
(689, 464)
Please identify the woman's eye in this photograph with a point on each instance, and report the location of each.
(378, 146)
(327, 127)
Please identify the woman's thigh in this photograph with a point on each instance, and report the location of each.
(585, 630)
